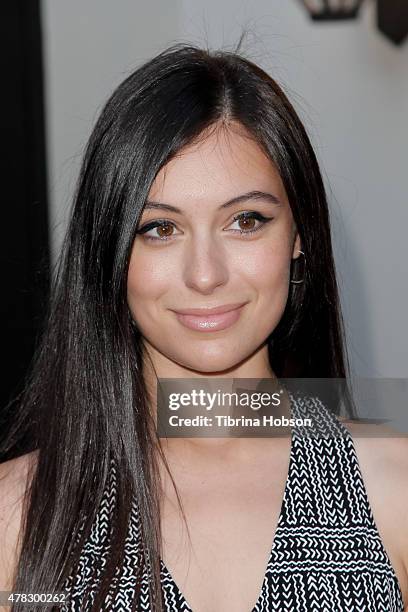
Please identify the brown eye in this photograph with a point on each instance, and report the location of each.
(247, 223)
(164, 230)
(250, 222)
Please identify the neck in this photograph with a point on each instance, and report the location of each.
(157, 367)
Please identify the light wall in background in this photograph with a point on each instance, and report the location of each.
(348, 83)
(90, 46)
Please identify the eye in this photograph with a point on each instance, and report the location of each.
(164, 226)
(248, 218)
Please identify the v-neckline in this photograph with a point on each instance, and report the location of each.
(186, 606)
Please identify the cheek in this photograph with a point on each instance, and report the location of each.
(147, 281)
(267, 271)
(267, 266)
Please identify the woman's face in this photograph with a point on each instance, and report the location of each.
(205, 256)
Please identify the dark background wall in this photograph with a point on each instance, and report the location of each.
(24, 244)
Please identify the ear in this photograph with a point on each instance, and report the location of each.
(297, 246)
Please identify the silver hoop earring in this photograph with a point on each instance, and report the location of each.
(298, 282)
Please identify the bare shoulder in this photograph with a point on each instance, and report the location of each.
(384, 453)
(383, 458)
(15, 476)
(385, 448)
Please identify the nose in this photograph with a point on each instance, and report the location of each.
(205, 265)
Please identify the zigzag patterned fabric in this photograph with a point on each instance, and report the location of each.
(327, 554)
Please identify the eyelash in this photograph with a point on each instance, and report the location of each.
(244, 215)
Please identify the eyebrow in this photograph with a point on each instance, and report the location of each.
(245, 197)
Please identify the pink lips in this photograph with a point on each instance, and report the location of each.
(212, 319)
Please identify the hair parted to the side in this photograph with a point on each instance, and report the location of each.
(86, 403)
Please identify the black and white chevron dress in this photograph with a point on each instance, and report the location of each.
(327, 554)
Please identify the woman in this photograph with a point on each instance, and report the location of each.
(199, 189)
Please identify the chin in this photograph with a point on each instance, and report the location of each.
(209, 365)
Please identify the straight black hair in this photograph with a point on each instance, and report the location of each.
(86, 403)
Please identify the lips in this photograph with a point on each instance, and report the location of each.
(210, 311)
(209, 320)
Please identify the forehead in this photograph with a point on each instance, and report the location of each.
(222, 164)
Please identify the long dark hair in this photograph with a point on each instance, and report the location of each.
(85, 403)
